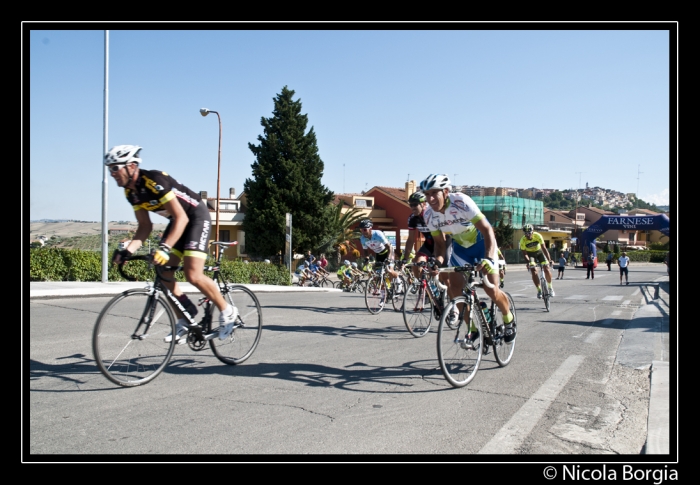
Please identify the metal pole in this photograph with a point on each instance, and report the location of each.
(105, 172)
(218, 180)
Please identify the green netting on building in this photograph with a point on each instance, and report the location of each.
(515, 211)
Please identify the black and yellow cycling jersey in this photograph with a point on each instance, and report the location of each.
(154, 188)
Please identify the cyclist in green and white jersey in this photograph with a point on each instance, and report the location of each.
(473, 242)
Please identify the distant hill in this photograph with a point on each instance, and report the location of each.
(50, 228)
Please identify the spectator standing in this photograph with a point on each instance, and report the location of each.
(562, 263)
(623, 262)
(608, 261)
(323, 261)
(589, 266)
(309, 258)
(666, 263)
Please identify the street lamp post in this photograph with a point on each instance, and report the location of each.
(204, 112)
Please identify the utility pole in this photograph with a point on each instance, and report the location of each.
(636, 194)
(576, 210)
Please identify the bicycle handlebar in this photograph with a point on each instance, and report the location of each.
(149, 259)
(467, 268)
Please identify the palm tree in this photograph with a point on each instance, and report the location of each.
(339, 235)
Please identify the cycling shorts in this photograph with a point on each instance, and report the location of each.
(472, 255)
(538, 256)
(426, 250)
(195, 238)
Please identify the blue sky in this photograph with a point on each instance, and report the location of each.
(511, 107)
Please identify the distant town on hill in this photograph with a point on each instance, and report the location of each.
(606, 199)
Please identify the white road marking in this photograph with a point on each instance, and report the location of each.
(617, 312)
(626, 302)
(513, 433)
(576, 297)
(613, 297)
(607, 321)
(594, 336)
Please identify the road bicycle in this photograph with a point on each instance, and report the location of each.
(460, 356)
(133, 342)
(381, 287)
(546, 294)
(424, 299)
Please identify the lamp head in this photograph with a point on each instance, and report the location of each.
(203, 111)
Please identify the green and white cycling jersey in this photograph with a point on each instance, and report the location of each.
(461, 213)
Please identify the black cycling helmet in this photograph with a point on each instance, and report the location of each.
(416, 198)
(365, 224)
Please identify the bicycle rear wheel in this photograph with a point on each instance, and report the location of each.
(459, 359)
(417, 310)
(127, 355)
(375, 295)
(502, 350)
(247, 328)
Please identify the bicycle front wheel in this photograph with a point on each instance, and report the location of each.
(417, 310)
(398, 292)
(502, 350)
(127, 350)
(545, 292)
(459, 359)
(247, 328)
(375, 295)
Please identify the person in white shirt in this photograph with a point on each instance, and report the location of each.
(623, 262)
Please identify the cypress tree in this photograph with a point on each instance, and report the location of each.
(286, 178)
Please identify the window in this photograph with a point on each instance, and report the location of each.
(363, 203)
(224, 235)
(551, 218)
(229, 206)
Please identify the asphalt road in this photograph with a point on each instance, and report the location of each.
(330, 381)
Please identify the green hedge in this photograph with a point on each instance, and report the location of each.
(52, 264)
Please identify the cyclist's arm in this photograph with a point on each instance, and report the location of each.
(145, 226)
(179, 221)
(546, 253)
(409, 243)
(440, 246)
(491, 247)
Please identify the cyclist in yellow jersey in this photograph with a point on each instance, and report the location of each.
(535, 250)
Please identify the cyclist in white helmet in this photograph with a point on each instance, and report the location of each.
(377, 242)
(185, 238)
(473, 242)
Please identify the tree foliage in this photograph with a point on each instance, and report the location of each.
(339, 236)
(504, 234)
(286, 178)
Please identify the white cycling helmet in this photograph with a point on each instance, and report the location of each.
(123, 154)
(435, 181)
(354, 265)
(346, 262)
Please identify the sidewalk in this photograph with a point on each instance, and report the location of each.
(53, 289)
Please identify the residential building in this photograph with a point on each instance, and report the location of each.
(231, 217)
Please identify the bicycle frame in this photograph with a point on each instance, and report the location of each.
(437, 305)
(201, 329)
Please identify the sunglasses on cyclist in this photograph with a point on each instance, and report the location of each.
(116, 167)
(413, 206)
